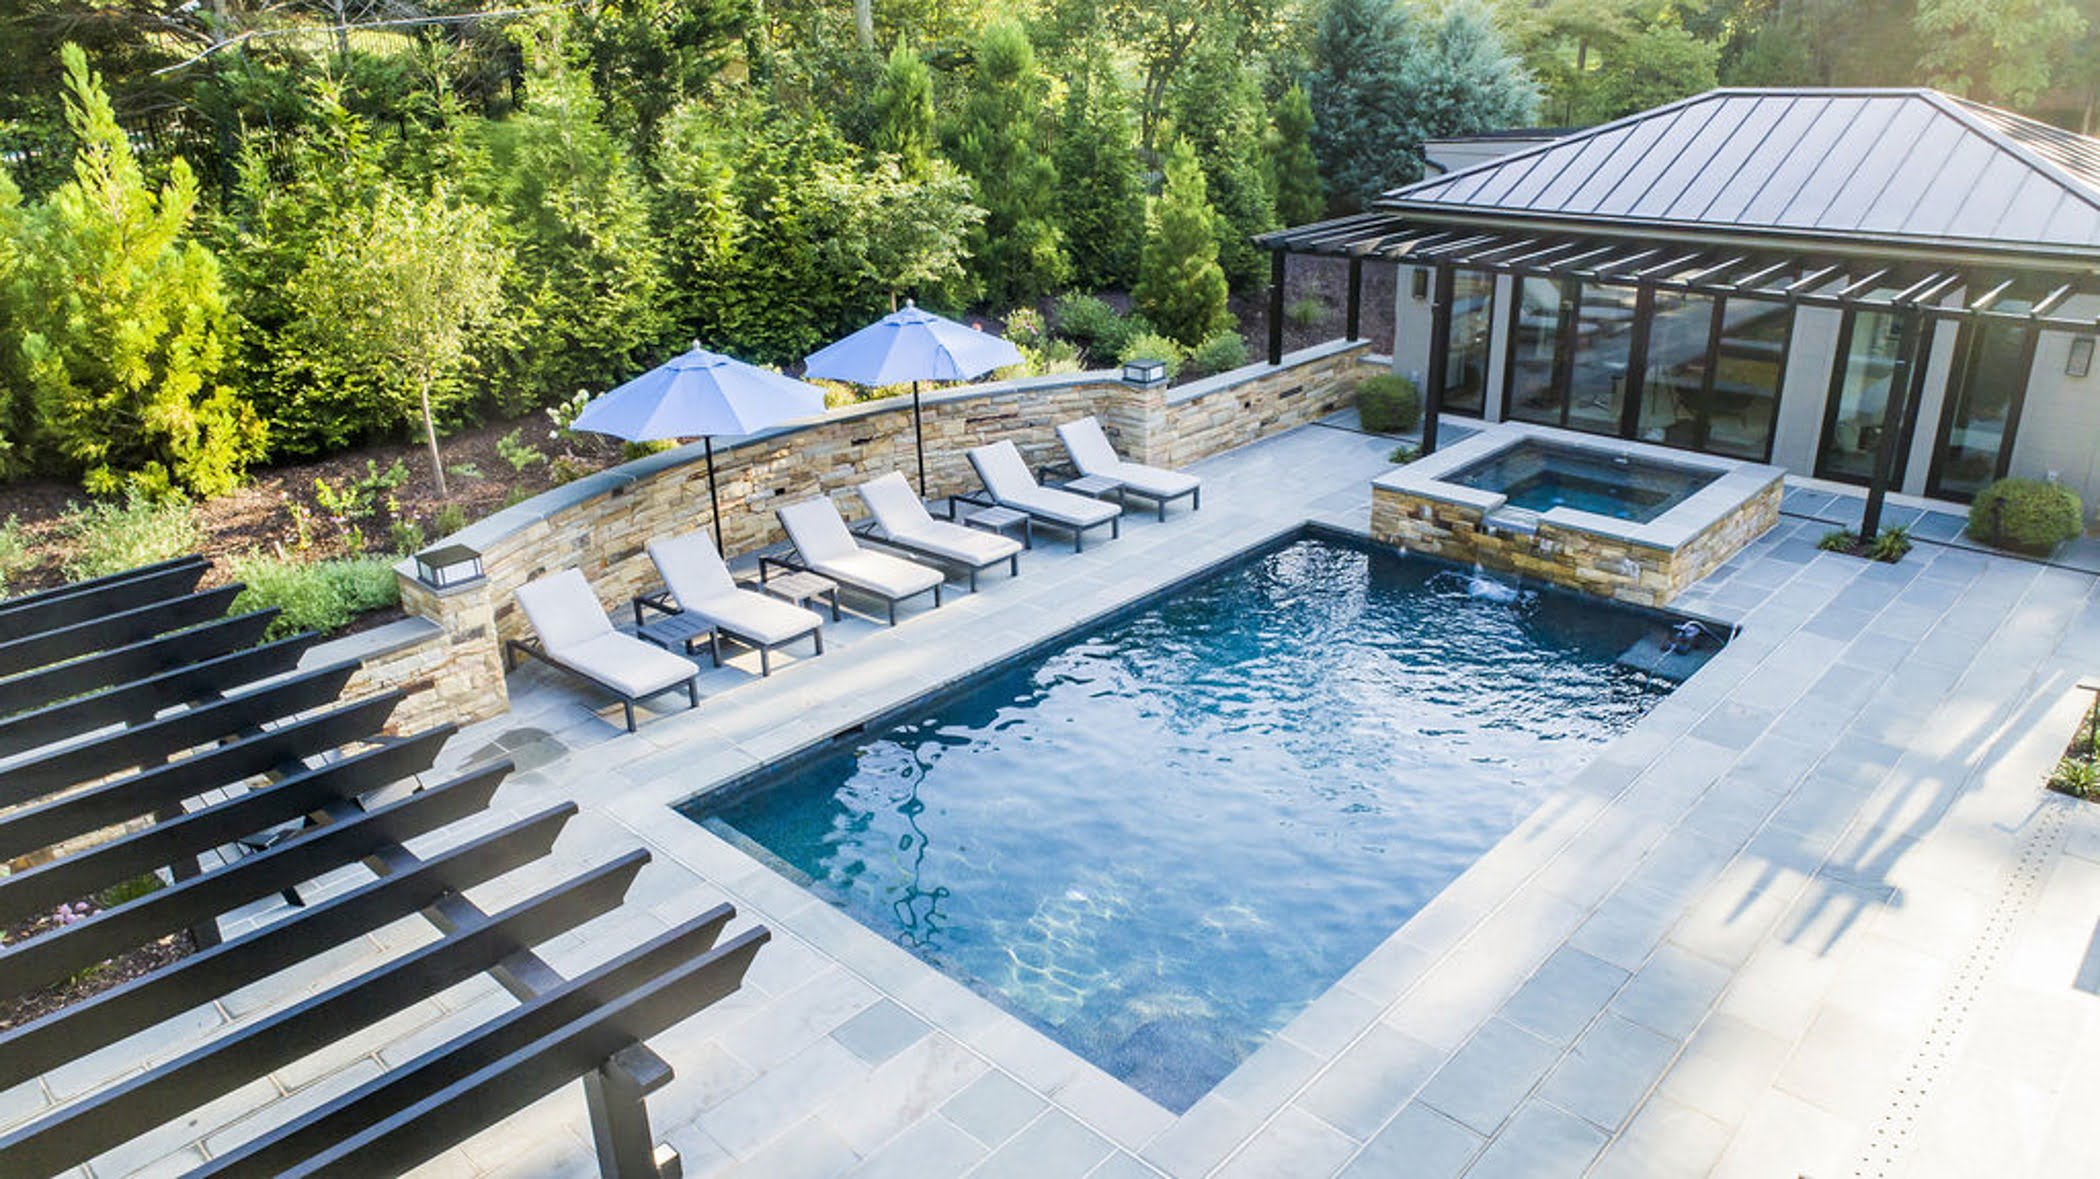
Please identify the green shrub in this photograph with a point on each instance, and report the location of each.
(1404, 455)
(1305, 312)
(16, 555)
(1025, 329)
(1890, 545)
(1388, 403)
(2026, 515)
(110, 537)
(2076, 776)
(314, 595)
(1090, 323)
(449, 519)
(1839, 540)
(1152, 346)
(1223, 352)
(520, 454)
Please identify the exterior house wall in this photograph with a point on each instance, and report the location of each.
(1411, 320)
(1925, 432)
(2060, 424)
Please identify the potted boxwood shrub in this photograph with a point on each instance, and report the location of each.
(2026, 515)
(1388, 404)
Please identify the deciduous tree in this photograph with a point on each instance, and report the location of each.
(1995, 50)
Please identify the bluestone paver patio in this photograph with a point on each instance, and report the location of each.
(1814, 914)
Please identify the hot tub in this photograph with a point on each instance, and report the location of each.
(1622, 520)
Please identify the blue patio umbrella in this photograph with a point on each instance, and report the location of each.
(912, 345)
(700, 393)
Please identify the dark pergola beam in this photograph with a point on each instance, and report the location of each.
(142, 699)
(53, 956)
(114, 630)
(395, 1121)
(86, 601)
(90, 870)
(2051, 301)
(49, 685)
(104, 1019)
(1276, 279)
(97, 807)
(1353, 316)
(1441, 288)
(125, 1110)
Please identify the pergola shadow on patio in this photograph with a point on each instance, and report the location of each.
(144, 732)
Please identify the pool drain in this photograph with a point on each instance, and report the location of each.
(1891, 1136)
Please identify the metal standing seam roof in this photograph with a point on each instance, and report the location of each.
(1913, 166)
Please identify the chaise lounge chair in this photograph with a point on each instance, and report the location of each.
(827, 548)
(1006, 479)
(697, 583)
(903, 521)
(1092, 455)
(575, 636)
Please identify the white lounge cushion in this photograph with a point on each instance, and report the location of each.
(823, 542)
(1006, 477)
(627, 664)
(697, 578)
(1092, 454)
(904, 519)
(574, 631)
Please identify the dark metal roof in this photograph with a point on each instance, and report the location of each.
(1895, 166)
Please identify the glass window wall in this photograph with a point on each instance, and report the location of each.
(1472, 331)
(1860, 392)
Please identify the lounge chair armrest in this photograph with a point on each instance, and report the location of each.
(766, 565)
(1059, 470)
(659, 601)
(972, 498)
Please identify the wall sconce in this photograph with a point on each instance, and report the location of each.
(1421, 284)
(2080, 361)
(449, 567)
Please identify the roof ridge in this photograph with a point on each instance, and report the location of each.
(1972, 115)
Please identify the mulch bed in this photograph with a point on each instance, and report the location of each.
(21, 1009)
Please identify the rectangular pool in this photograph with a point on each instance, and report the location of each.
(1539, 476)
(1161, 839)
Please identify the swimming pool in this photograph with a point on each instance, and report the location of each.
(1160, 839)
(1540, 476)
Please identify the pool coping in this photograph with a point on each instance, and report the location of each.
(1264, 1084)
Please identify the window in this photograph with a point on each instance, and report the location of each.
(1680, 332)
(1534, 349)
(1602, 358)
(1868, 347)
(1983, 407)
(1749, 370)
(1472, 330)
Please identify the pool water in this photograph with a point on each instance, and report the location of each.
(1160, 841)
(1541, 476)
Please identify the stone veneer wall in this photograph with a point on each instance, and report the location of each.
(1640, 574)
(601, 523)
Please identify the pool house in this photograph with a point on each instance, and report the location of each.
(1888, 288)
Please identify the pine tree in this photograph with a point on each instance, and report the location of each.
(1019, 252)
(1216, 105)
(1181, 289)
(903, 105)
(1299, 196)
(1102, 198)
(124, 324)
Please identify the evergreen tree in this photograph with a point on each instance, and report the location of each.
(13, 393)
(904, 113)
(1217, 107)
(123, 321)
(1299, 197)
(1102, 197)
(1360, 57)
(1181, 289)
(586, 298)
(1019, 252)
(1462, 81)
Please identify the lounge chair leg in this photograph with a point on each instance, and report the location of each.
(973, 581)
(1013, 565)
(936, 596)
(1196, 500)
(818, 635)
(1115, 527)
(893, 611)
(714, 646)
(1162, 511)
(637, 611)
(1079, 540)
(629, 706)
(765, 662)
(692, 692)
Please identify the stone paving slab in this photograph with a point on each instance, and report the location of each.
(1733, 943)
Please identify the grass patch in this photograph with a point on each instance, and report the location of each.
(314, 595)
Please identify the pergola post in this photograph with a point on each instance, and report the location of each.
(1892, 423)
(1355, 317)
(1276, 305)
(1440, 289)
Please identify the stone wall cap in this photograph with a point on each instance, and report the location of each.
(380, 641)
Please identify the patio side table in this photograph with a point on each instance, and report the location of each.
(677, 632)
(1006, 521)
(1098, 486)
(802, 588)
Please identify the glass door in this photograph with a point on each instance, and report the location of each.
(1859, 395)
(1539, 321)
(1600, 366)
(1472, 327)
(1983, 408)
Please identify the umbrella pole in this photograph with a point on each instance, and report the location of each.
(918, 429)
(714, 505)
